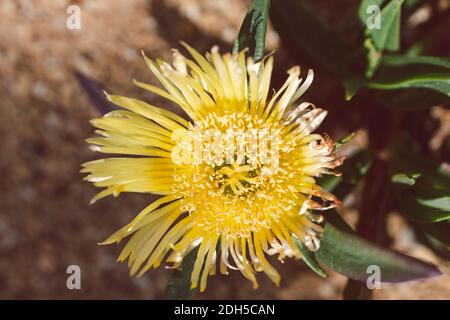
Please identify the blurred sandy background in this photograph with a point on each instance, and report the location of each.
(46, 223)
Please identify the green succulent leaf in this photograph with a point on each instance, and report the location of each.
(386, 37)
(252, 34)
(406, 179)
(406, 60)
(351, 255)
(310, 259)
(378, 39)
(424, 210)
(435, 81)
(437, 199)
(422, 189)
(407, 72)
(95, 92)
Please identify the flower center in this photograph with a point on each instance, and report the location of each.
(236, 189)
(236, 179)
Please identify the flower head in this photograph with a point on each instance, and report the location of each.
(236, 181)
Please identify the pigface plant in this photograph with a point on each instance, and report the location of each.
(245, 174)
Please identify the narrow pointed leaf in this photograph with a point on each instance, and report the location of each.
(403, 60)
(95, 92)
(252, 34)
(422, 190)
(310, 259)
(351, 255)
(405, 72)
(437, 199)
(420, 210)
(386, 37)
(435, 81)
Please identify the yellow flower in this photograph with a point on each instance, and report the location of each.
(234, 205)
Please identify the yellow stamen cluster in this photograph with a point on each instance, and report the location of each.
(221, 198)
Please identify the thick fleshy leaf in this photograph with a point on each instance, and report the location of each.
(252, 34)
(310, 259)
(179, 286)
(418, 74)
(424, 210)
(437, 199)
(384, 37)
(406, 179)
(435, 81)
(387, 37)
(96, 93)
(378, 38)
(351, 255)
(422, 190)
(403, 60)
(405, 72)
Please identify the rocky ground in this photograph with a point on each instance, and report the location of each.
(46, 223)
